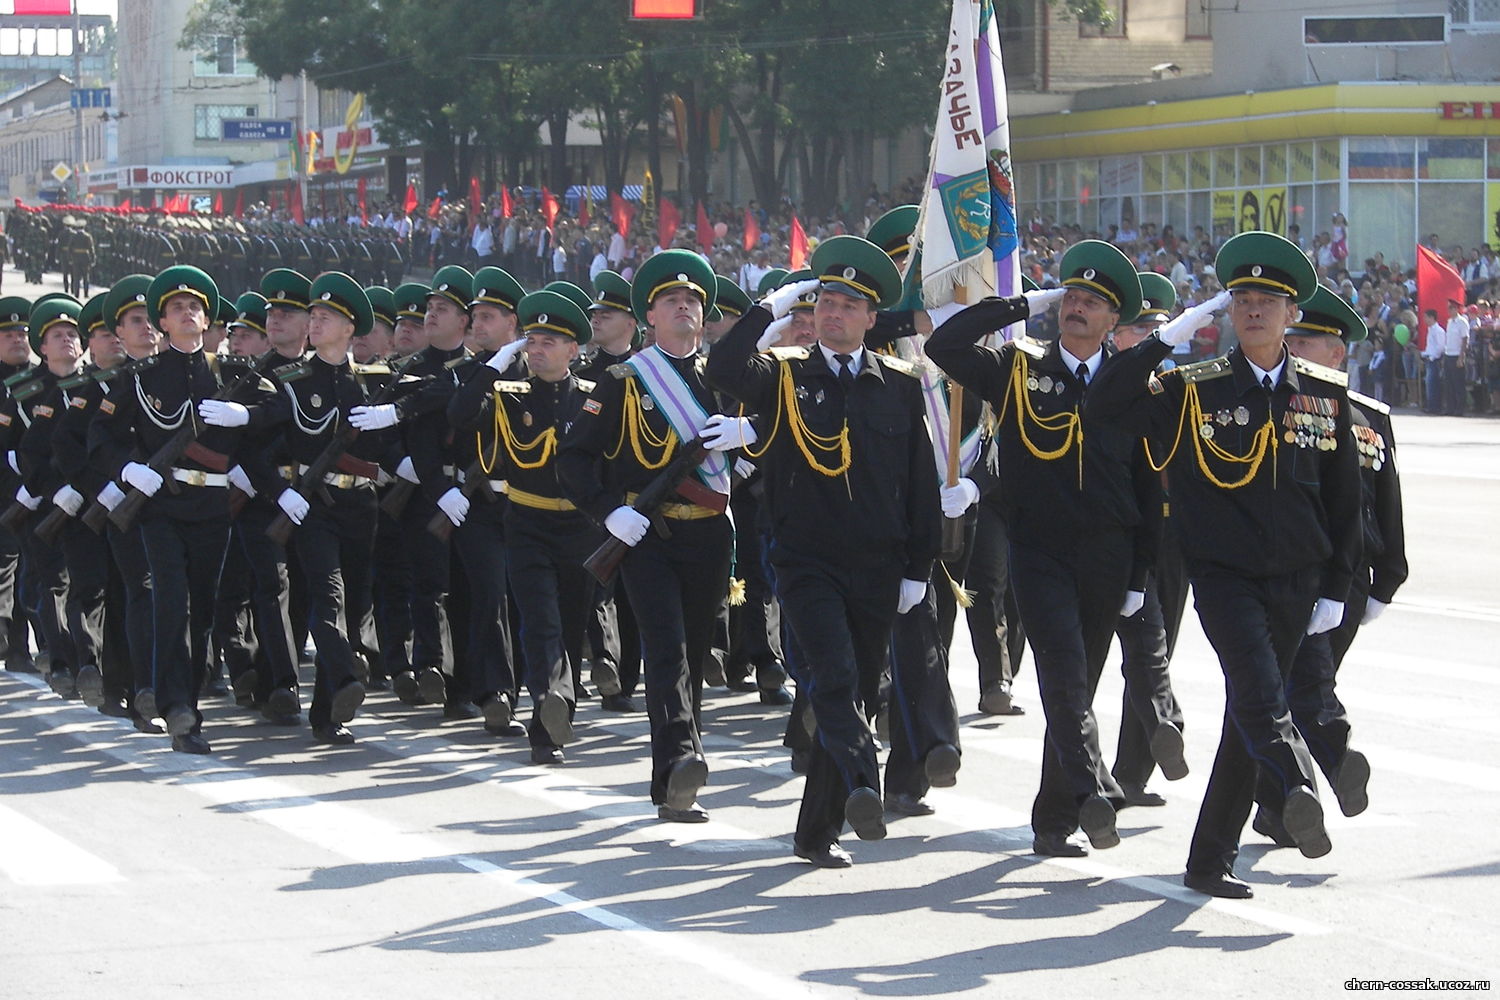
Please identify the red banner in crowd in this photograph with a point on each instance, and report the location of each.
(797, 243)
(507, 207)
(549, 208)
(752, 231)
(1437, 282)
(668, 220)
(364, 213)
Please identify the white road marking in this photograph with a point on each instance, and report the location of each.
(35, 855)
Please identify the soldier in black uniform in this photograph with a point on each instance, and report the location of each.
(614, 640)
(625, 433)
(1074, 492)
(15, 367)
(1322, 335)
(185, 531)
(1265, 485)
(548, 539)
(53, 329)
(852, 504)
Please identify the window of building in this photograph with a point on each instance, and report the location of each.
(1115, 28)
(208, 119)
(221, 56)
(1198, 25)
(1475, 12)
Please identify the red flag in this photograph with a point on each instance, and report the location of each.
(583, 208)
(1437, 282)
(435, 207)
(621, 212)
(410, 204)
(476, 198)
(507, 207)
(294, 202)
(364, 215)
(705, 229)
(668, 220)
(752, 231)
(798, 244)
(239, 205)
(549, 207)
(218, 202)
(124, 205)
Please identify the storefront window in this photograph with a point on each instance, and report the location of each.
(1450, 159)
(1383, 220)
(1381, 158)
(1249, 165)
(1225, 161)
(1275, 172)
(1450, 210)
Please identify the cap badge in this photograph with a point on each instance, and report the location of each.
(1088, 274)
(541, 318)
(682, 277)
(1255, 271)
(327, 296)
(849, 272)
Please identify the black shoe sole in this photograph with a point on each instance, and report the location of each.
(605, 677)
(244, 684)
(346, 702)
(1167, 749)
(1096, 817)
(1351, 786)
(824, 858)
(497, 714)
(865, 814)
(91, 687)
(1302, 815)
(180, 720)
(684, 781)
(407, 691)
(432, 687)
(283, 701)
(556, 719)
(941, 765)
(1225, 887)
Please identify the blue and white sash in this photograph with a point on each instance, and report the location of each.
(935, 401)
(681, 408)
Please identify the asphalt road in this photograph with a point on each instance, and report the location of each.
(430, 857)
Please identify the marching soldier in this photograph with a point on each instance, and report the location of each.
(853, 507)
(1266, 483)
(639, 416)
(16, 367)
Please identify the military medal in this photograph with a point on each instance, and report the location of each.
(1032, 383)
(647, 403)
(819, 398)
(1224, 417)
(1241, 415)
(1290, 437)
(315, 399)
(526, 418)
(1045, 383)
(1207, 431)
(1057, 387)
(802, 393)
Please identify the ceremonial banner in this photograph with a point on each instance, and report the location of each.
(752, 231)
(967, 227)
(549, 207)
(797, 245)
(1437, 282)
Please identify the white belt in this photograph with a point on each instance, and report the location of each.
(340, 480)
(498, 485)
(195, 477)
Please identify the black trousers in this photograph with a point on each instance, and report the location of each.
(841, 617)
(1148, 701)
(1317, 712)
(334, 547)
(185, 557)
(88, 581)
(755, 625)
(1255, 627)
(48, 596)
(129, 552)
(613, 634)
(1070, 602)
(278, 649)
(488, 664)
(234, 611)
(392, 596)
(923, 713)
(555, 595)
(995, 626)
(431, 564)
(12, 614)
(675, 587)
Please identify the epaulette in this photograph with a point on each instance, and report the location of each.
(106, 374)
(1369, 403)
(1201, 371)
(74, 381)
(452, 363)
(1322, 372)
(620, 371)
(140, 364)
(375, 369)
(516, 387)
(790, 353)
(19, 377)
(24, 391)
(584, 385)
(1028, 346)
(901, 365)
(292, 372)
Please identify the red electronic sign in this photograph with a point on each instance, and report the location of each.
(664, 10)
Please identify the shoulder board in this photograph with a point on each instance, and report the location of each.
(1326, 374)
(790, 353)
(462, 359)
(416, 359)
(1369, 403)
(74, 381)
(359, 369)
(1201, 371)
(292, 372)
(584, 385)
(516, 387)
(1026, 345)
(141, 364)
(901, 365)
(21, 376)
(620, 371)
(105, 374)
(24, 391)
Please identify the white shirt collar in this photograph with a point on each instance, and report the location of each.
(856, 365)
(1275, 373)
(1072, 363)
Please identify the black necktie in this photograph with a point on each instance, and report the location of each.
(846, 374)
(1083, 375)
(1265, 381)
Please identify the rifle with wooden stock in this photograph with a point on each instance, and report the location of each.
(606, 559)
(476, 481)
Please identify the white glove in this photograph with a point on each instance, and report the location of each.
(10, 458)
(1181, 329)
(1326, 615)
(958, 498)
(69, 500)
(627, 524)
(781, 300)
(725, 433)
(1373, 610)
(219, 413)
(455, 505)
(240, 481)
(142, 477)
(374, 418)
(25, 499)
(1134, 601)
(506, 356)
(407, 471)
(294, 504)
(111, 496)
(912, 592)
(744, 469)
(1041, 300)
(773, 333)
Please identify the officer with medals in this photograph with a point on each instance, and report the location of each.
(1149, 715)
(518, 425)
(186, 526)
(852, 504)
(53, 331)
(336, 522)
(16, 367)
(626, 433)
(1265, 488)
(1322, 336)
(614, 641)
(1073, 490)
